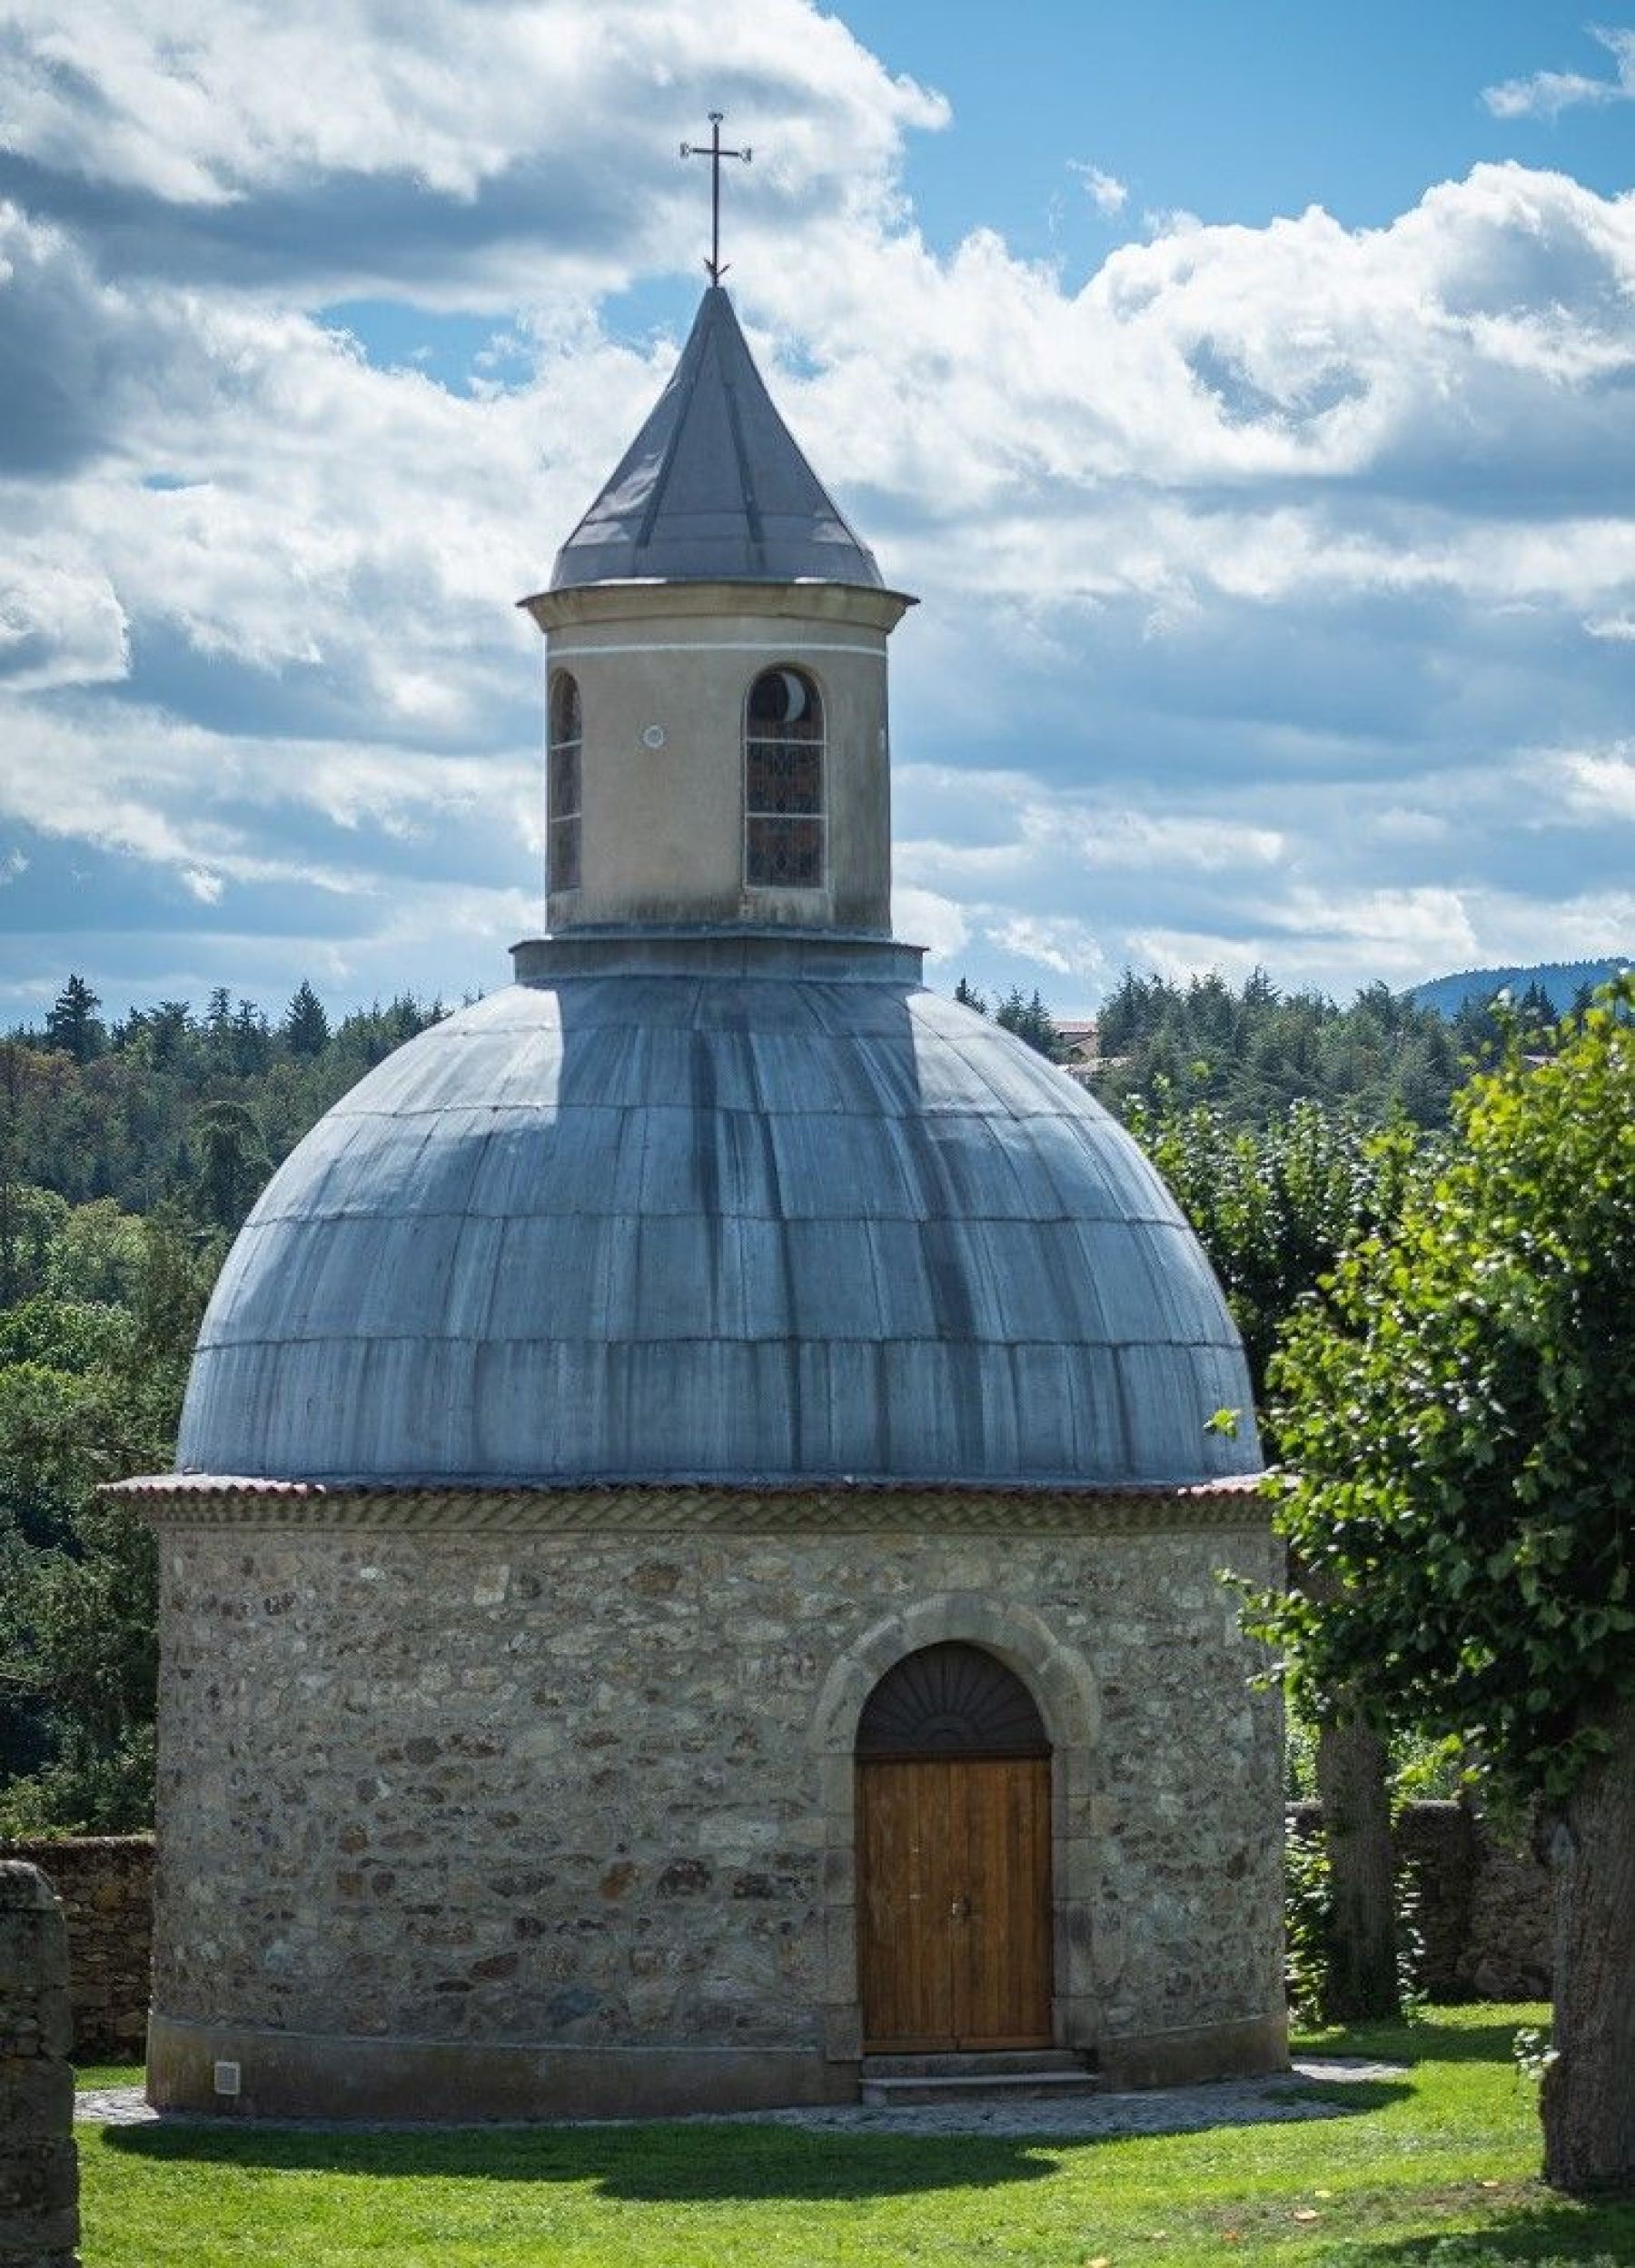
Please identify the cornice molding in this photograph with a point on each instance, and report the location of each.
(174, 1501)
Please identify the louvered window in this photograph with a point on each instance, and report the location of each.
(564, 764)
(950, 1700)
(783, 782)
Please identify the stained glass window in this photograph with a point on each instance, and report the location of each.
(563, 783)
(783, 782)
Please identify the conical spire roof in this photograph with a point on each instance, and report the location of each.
(714, 488)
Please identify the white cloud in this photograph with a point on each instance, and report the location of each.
(923, 917)
(1400, 935)
(61, 623)
(1255, 569)
(1065, 946)
(1601, 784)
(1105, 191)
(533, 140)
(1546, 94)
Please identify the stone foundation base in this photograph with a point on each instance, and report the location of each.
(284, 2075)
(1246, 2049)
(309, 2075)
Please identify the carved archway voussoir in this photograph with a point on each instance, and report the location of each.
(1060, 1678)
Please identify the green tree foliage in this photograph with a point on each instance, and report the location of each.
(1248, 1055)
(306, 1028)
(127, 1159)
(1458, 1416)
(72, 1024)
(1274, 1206)
(1030, 1020)
(174, 1106)
(231, 1162)
(90, 1390)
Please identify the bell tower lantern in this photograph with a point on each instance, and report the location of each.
(716, 680)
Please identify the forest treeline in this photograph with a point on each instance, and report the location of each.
(196, 1108)
(167, 1104)
(130, 1151)
(1252, 1051)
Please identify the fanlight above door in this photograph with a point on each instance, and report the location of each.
(951, 1699)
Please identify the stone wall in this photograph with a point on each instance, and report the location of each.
(1483, 1904)
(1485, 1915)
(586, 1790)
(39, 2172)
(106, 1885)
(1507, 1950)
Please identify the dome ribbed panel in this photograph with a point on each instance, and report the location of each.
(634, 1226)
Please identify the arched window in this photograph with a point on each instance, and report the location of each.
(951, 1701)
(783, 781)
(566, 745)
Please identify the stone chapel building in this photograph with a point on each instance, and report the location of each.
(696, 1559)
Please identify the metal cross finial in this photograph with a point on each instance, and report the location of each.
(715, 153)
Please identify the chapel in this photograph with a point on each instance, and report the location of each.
(695, 1568)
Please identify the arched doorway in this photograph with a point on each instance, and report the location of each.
(954, 1928)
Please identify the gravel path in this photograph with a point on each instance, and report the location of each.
(1159, 2111)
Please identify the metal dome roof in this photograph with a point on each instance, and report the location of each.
(714, 488)
(729, 1209)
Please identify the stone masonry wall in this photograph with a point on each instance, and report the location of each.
(106, 1885)
(1483, 1910)
(39, 2172)
(564, 1787)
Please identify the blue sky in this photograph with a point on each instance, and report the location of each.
(1245, 392)
(1236, 112)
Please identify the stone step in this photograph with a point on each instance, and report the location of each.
(971, 2063)
(964, 2088)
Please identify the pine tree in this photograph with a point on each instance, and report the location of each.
(306, 1027)
(71, 1025)
(252, 1040)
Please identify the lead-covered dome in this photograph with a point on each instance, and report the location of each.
(732, 1209)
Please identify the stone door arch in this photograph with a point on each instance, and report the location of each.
(953, 1841)
(1060, 1681)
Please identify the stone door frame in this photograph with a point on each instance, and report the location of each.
(1063, 1686)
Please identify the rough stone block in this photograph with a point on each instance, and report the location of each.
(39, 2171)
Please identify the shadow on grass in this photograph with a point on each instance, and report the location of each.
(638, 2165)
(674, 2160)
(1428, 2041)
(1546, 2235)
(1338, 2097)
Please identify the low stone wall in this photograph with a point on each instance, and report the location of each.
(106, 1885)
(39, 2171)
(1484, 1905)
(1507, 1950)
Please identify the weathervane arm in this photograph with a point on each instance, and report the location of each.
(715, 153)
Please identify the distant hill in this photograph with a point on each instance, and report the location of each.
(1562, 980)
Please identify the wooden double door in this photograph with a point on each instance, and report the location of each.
(953, 1919)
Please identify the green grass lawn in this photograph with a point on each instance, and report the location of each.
(1436, 2168)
